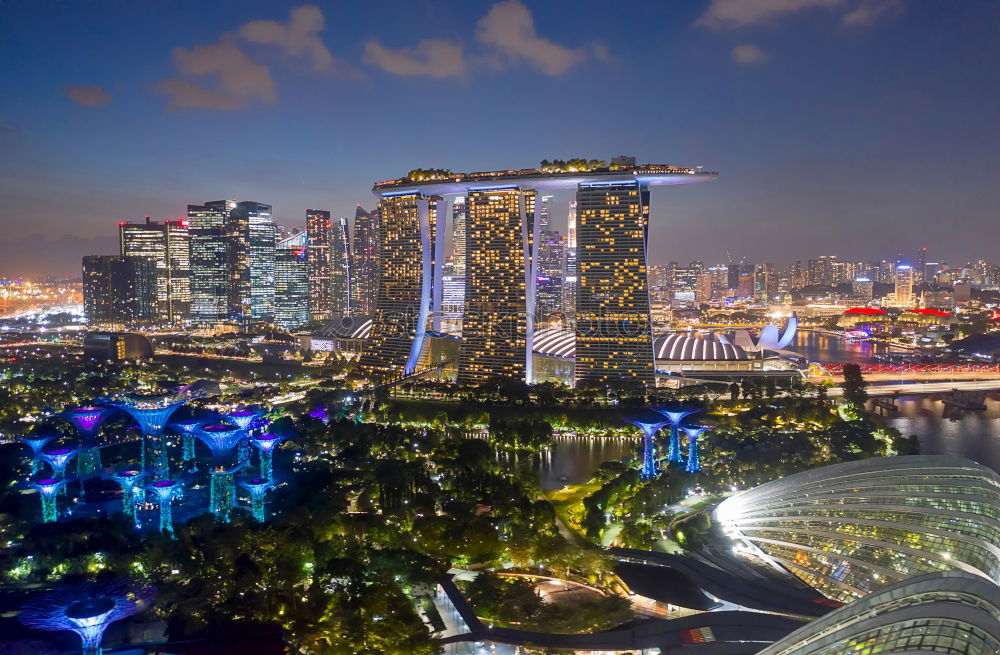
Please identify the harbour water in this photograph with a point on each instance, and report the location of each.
(974, 435)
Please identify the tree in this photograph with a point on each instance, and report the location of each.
(854, 385)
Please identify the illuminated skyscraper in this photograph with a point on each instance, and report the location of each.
(570, 276)
(291, 288)
(365, 261)
(500, 235)
(459, 235)
(613, 332)
(921, 272)
(208, 282)
(318, 230)
(168, 244)
(250, 263)
(340, 267)
(408, 230)
(119, 292)
(551, 262)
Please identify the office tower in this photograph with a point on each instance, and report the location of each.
(452, 299)
(732, 277)
(684, 281)
(119, 292)
(458, 235)
(904, 286)
(208, 281)
(291, 287)
(571, 274)
(318, 258)
(340, 267)
(551, 257)
(366, 261)
(168, 244)
(613, 332)
(250, 263)
(407, 230)
(863, 289)
(765, 283)
(703, 292)
(920, 274)
(498, 285)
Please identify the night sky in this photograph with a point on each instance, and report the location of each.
(854, 127)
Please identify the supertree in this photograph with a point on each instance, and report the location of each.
(649, 428)
(693, 459)
(36, 442)
(675, 416)
(87, 608)
(266, 443)
(88, 421)
(221, 439)
(187, 429)
(244, 419)
(258, 489)
(165, 490)
(129, 481)
(48, 491)
(151, 413)
(58, 458)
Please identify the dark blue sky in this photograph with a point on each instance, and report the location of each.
(852, 127)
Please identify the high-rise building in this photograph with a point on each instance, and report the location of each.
(571, 274)
(551, 263)
(903, 296)
(921, 270)
(291, 287)
(209, 276)
(250, 241)
(494, 331)
(318, 257)
(119, 292)
(765, 283)
(168, 244)
(340, 267)
(407, 226)
(366, 261)
(613, 331)
(863, 289)
(458, 235)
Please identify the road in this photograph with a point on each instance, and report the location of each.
(888, 389)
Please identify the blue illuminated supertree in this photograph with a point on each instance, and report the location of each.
(221, 439)
(88, 422)
(151, 413)
(693, 459)
(48, 491)
(266, 443)
(245, 419)
(58, 458)
(675, 416)
(258, 489)
(130, 482)
(87, 608)
(187, 430)
(165, 490)
(36, 442)
(649, 429)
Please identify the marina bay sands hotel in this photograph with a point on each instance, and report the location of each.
(612, 328)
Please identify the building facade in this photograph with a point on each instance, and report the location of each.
(291, 288)
(613, 333)
(365, 251)
(500, 225)
(250, 246)
(119, 292)
(318, 255)
(407, 228)
(168, 244)
(340, 267)
(208, 261)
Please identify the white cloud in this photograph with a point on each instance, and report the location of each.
(241, 81)
(298, 37)
(88, 95)
(438, 58)
(734, 14)
(748, 54)
(870, 11)
(510, 29)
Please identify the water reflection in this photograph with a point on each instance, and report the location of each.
(820, 347)
(574, 459)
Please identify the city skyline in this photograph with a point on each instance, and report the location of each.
(859, 127)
